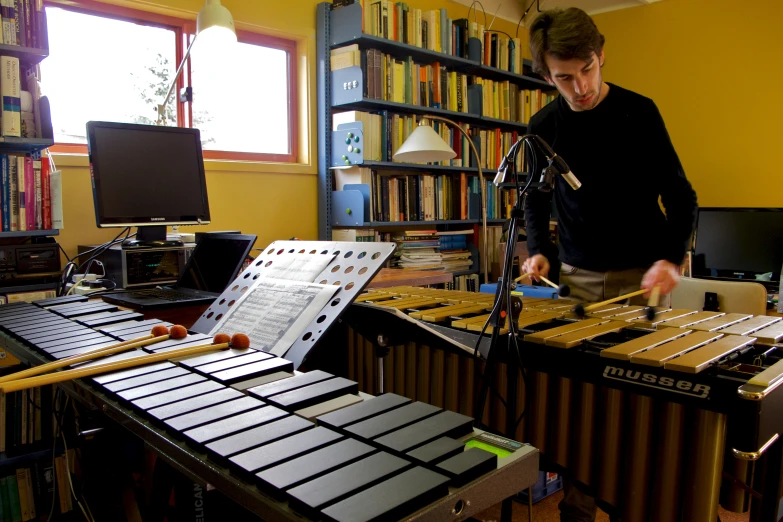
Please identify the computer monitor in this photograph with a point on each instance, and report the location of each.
(738, 243)
(147, 176)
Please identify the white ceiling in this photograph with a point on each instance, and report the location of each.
(512, 10)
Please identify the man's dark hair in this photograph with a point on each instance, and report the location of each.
(563, 34)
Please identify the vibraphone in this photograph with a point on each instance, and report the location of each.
(663, 419)
(284, 444)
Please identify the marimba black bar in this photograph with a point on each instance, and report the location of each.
(87, 310)
(402, 494)
(195, 404)
(111, 319)
(66, 299)
(80, 351)
(232, 362)
(310, 466)
(312, 496)
(134, 325)
(314, 394)
(437, 450)
(26, 336)
(65, 346)
(207, 358)
(392, 420)
(146, 378)
(363, 410)
(107, 378)
(292, 383)
(444, 424)
(214, 413)
(249, 371)
(65, 331)
(285, 449)
(172, 344)
(237, 423)
(468, 465)
(245, 440)
(162, 386)
(161, 399)
(73, 339)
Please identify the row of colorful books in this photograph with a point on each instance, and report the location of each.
(402, 197)
(21, 116)
(24, 23)
(434, 85)
(384, 133)
(435, 30)
(30, 194)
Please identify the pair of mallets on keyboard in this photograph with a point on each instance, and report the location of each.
(34, 377)
(581, 310)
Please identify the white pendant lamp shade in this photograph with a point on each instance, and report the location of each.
(216, 22)
(424, 145)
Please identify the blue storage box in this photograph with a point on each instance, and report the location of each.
(526, 290)
(548, 483)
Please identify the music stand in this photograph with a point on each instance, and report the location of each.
(352, 268)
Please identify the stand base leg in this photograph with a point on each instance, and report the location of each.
(505, 510)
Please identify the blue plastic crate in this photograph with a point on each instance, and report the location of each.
(548, 483)
(527, 290)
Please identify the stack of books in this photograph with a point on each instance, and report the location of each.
(30, 194)
(433, 250)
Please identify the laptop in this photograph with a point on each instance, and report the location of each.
(215, 262)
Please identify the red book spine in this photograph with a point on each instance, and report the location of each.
(46, 195)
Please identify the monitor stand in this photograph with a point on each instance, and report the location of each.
(153, 236)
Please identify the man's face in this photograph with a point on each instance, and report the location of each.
(578, 81)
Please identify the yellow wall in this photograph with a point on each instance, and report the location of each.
(272, 201)
(713, 69)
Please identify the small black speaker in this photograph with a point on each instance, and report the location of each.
(711, 302)
(780, 291)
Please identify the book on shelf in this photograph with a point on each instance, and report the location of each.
(27, 297)
(10, 88)
(404, 196)
(385, 132)
(465, 283)
(435, 30)
(432, 85)
(427, 250)
(24, 23)
(348, 56)
(28, 199)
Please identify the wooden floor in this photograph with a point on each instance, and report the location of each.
(546, 511)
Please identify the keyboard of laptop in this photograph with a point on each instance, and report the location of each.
(166, 295)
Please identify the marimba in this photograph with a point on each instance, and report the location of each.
(308, 441)
(653, 416)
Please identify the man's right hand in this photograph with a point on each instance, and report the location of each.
(536, 266)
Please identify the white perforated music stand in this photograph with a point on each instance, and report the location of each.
(352, 268)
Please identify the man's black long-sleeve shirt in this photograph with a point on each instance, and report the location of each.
(622, 154)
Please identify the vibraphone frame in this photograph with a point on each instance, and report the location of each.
(761, 444)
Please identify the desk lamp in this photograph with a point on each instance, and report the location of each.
(215, 24)
(425, 145)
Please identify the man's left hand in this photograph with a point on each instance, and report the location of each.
(663, 274)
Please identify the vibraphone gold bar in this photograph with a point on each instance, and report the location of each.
(286, 445)
(664, 418)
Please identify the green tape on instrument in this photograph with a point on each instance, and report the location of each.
(500, 452)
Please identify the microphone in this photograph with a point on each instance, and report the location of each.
(501, 175)
(560, 164)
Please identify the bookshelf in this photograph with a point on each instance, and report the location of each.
(30, 233)
(350, 88)
(25, 145)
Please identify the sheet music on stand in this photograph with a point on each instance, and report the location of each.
(274, 312)
(303, 285)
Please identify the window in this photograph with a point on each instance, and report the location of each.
(116, 64)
